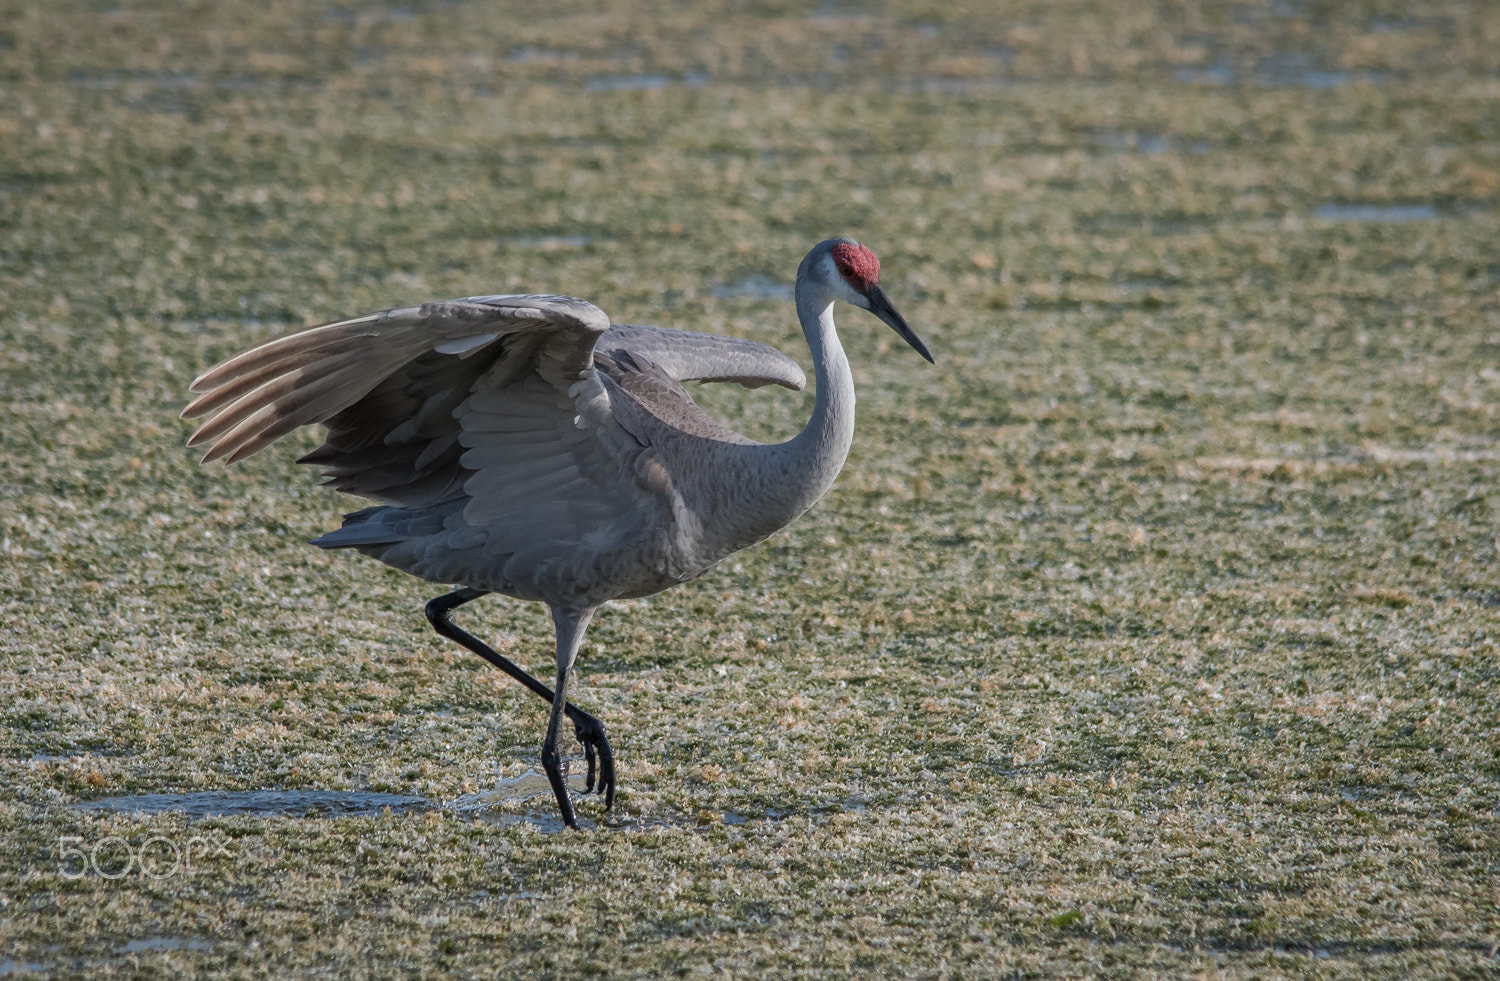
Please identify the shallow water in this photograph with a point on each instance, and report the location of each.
(639, 83)
(489, 806)
(226, 803)
(509, 791)
(1333, 211)
(334, 803)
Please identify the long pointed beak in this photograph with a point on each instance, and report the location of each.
(880, 306)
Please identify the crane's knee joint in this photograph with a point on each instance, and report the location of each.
(440, 609)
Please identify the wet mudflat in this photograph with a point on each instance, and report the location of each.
(1150, 633)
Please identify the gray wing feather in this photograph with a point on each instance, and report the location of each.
(387, 384)
(689, 356)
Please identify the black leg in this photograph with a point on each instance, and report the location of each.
(571, 625)
(553, 761)
(590, 731)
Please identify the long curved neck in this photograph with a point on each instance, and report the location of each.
(826, 439)
(812, 459)
(763, 487)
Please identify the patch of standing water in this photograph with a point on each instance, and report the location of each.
(328, 803)
(114, 80)
(638, 83)
(1286, 70)
(1334, 211)
(1300, 69)
(228, 803)
(1213, 75)
(485, 805)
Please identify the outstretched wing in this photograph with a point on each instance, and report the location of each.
(515, 437)
(478, 397)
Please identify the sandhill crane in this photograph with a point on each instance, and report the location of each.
(522, 445)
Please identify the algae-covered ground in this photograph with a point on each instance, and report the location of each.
(1152, 632)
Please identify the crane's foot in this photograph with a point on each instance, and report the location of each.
(596, 750)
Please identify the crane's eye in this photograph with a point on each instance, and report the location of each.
(845, 269)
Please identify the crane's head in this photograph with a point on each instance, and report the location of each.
(850, 272)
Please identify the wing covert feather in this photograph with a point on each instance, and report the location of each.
(690, 356)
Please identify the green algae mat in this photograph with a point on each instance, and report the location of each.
(1151, 633)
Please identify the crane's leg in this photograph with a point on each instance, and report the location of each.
(590, 731)
(570, 628)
